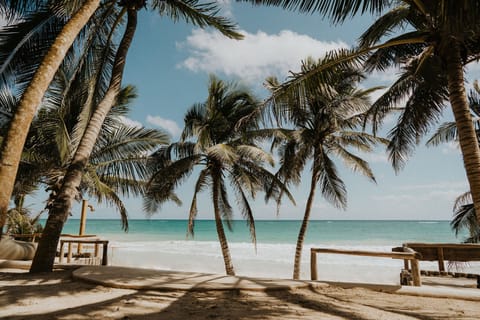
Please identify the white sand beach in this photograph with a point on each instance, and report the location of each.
(58, 296)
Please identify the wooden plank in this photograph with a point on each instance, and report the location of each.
(417, 281)
(441, 264)
(450, 251)
(60, 259)
(105, 253)
(393, 255)
(313, 265)
(443, 245)
(69, 253)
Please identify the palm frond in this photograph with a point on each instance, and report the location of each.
(202, 182)
(447, 132)
(384, 26)
(355, 163)
(461, 200)
(331, 185)
(106, 193)
(222, 153)
(337, 11)
(199, 14)
(246, 210)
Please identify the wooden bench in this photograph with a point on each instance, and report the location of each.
(441, 252)
(95, 242)
(404, 255)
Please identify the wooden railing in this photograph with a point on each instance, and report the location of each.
(34, 236)
(406, 256)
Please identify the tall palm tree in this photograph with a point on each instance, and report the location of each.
(221, 128)
(441, 36)
(14, 140)
(191, 11)
(117, 166)
(325, 119)
(464, 210)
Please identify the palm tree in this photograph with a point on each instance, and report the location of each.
(191, 11)
(464, 210)
(440, 36)
(117, 166)
(14, 140)
(324, 118)
(221, 128)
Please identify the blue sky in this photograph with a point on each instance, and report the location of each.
(170, 64)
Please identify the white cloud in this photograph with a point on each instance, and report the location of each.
(255, 57)
(169, 125)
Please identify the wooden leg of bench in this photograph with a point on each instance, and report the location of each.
(417, 281)
(105, 254)
(313, 266)
(69, 254)
(60, 258)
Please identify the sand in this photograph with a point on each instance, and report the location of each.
(57, 296)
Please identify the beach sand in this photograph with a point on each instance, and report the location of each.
(57, 296)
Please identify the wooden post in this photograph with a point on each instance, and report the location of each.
(95, 254)
(83, 222)
(417, 281)
(441, 265)
(69, 254)
(60, 259)
(313, 265)
(105, 253)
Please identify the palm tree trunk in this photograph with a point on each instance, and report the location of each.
(227, 259)
(45, 254)
(303, 228)
(14, 140)
(466, 131)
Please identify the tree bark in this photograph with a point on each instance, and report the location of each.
(227, 259)
(14, 141)
(45, 254)
(466, 131)
(303, 228)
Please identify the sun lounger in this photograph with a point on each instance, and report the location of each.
(16, 250)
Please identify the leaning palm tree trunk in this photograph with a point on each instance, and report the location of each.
(45, 255)
(303, 229)
(227, 259)
(12, 146)
(466, 131)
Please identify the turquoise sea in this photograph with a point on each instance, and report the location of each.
(163, 244)
(352, 232)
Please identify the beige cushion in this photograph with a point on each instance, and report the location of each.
(16, 250)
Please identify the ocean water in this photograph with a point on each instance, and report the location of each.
(163, 244)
